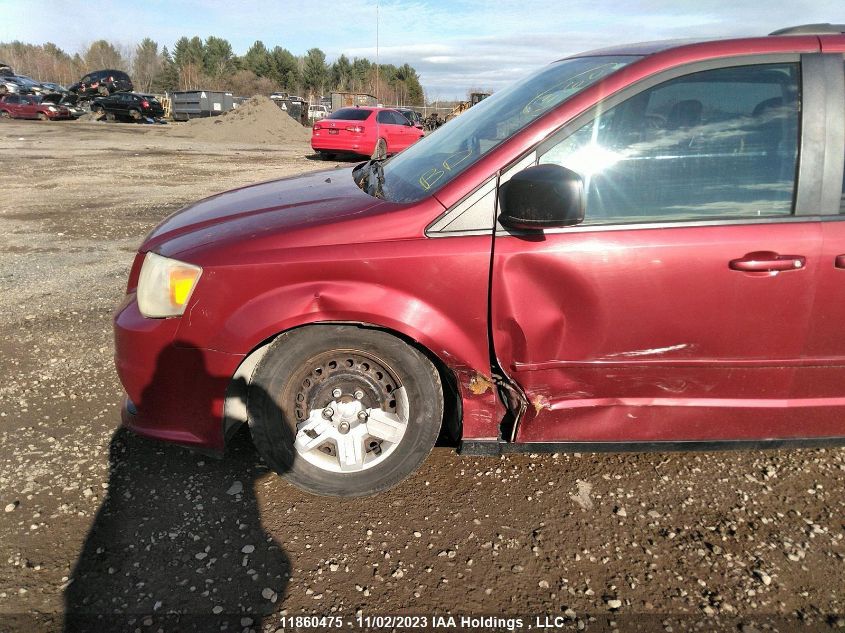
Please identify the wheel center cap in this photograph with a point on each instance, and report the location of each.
(348, 411)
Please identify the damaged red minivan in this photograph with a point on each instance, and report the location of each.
(634, 248)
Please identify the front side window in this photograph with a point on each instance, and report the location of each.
(714, 144)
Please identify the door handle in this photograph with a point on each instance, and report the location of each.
(767, 261)
(839, 262)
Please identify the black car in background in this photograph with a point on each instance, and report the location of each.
(414, 117)
(102, 82)
(128, 105)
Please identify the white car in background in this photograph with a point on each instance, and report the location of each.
(316, 112)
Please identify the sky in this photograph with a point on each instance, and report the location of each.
(456, 46)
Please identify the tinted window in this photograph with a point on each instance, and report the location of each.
(391, 118)
(351, 114)
(715, 144)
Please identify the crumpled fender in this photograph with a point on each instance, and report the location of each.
(462, 347)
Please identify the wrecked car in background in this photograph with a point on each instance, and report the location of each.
(128, 105)
(16, 106)
(634, 248)
(67, 100)
(103, 83)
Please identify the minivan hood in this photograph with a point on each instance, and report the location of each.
(310, 200)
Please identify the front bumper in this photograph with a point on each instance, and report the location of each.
(175, 391)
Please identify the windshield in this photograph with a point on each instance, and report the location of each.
(438, 158)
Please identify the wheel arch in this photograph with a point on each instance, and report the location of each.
(235, 410)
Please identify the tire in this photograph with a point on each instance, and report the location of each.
(42, 116)
(380, 152)
(103, 90)
(5, 114)
(348, 371)
(110, 116)
(135, 114)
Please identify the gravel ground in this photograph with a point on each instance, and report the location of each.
(102, 530)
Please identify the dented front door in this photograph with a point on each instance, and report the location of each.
(649, 334)
(679, 308)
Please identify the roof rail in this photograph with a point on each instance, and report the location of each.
(824, 28)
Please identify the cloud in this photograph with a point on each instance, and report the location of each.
(455, 45)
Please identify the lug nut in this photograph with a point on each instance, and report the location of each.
(362, 416)
(328, 412)
(337, 393)
(359, 395)
(343, 427)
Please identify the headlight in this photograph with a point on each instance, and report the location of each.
(52, 108)
(165, 286)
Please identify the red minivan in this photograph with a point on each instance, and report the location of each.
(635, 248)
(375, 132)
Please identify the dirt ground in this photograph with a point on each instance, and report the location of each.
(102, 531)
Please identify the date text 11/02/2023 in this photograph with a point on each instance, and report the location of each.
(368, 622)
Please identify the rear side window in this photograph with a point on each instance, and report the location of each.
(386, 117)
(351, 114)
(715, 144)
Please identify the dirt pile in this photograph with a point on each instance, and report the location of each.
(257, 120)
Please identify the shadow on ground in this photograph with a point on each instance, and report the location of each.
(177, 544)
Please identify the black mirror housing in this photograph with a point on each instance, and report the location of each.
(543, 196)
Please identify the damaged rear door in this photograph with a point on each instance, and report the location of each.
(678, 310)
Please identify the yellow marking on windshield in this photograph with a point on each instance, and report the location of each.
(576, 82)
(456, 159)
(430, 177)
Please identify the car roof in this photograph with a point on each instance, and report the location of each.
(641, 49)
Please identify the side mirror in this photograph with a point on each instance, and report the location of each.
(543, 196)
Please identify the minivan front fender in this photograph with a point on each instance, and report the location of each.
(456, 335)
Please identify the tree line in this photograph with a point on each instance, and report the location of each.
(211, 64)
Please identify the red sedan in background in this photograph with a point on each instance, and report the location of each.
(30, 107)
(374, 132)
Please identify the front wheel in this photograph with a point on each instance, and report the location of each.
(42, 116)
(380, 151)
(344, 411)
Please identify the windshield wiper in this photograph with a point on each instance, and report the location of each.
(372, 178)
